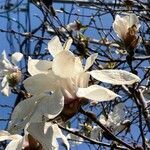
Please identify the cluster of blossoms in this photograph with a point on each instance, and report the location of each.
(58, 89)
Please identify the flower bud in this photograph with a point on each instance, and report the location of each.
(14, 78)
(126, 28)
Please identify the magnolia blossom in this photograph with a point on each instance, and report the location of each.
(126, 28)
(68, 74)
(115, 121)
(9, 72)
(115, 117)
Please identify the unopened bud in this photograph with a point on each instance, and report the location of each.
(131, 40)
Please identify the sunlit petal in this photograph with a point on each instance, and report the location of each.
(58, 134)
(36, 66)
(132, 19)
(120, 26)
(16, 57)
(96, 93)
(116, 77)
(55, 46)
(65, 65)
(15, 144)
(90, 60)
(4, 135)
(67, 44)
(78, 65)
(45, 138)
(5, 61)
(82, 80)
(6, 89)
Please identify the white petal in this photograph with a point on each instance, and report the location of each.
(120, 26)
(82, 80)
(96, 93)
(133, 20)
(67, 44)
(4, 81)
(58, 134)
(90, 60)
(78, 65)
(15, 144)
(65, 65)
(68, 87)
(55, 46)
(50, 106)
(47, 134)
(4, 135)
(116, 77)
(16, 57)
(45, 138)
(36, 66)
(41, 83)
(5, 61)
(6, 89)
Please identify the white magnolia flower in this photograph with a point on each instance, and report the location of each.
(67, 73)
(61, 81)
(9, 72)
(114, 119)
(72, 78)
(126, 28)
